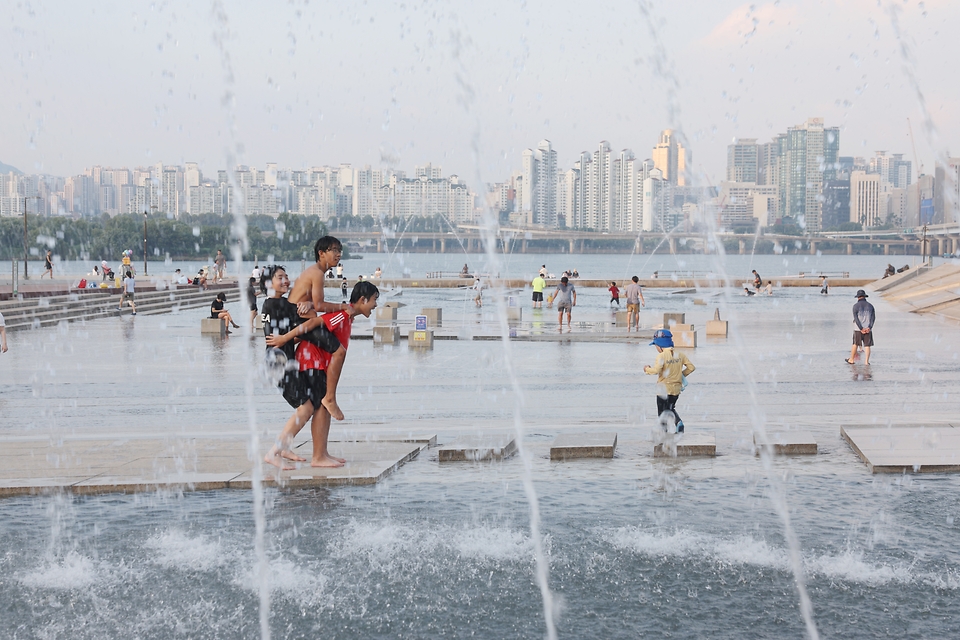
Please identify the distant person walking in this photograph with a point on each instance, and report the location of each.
(127, 291)
(566, 298)
(757, 280)
(339, 269)
(252, 293)
(221, 265)
(824, 287)
(47, 265)
(538, 285)
(3, 334)
(614, 294)
(543, 271)
(478, 297)
(635, 300)
(343, 289)
(863, 317)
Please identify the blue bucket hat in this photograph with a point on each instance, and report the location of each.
(663, 338)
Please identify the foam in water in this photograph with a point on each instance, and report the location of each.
(72, 571)
(386, 542)
(849, 566)
(295, 580)
(176, 550)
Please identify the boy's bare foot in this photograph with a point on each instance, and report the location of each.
(327, 461)
(277, 461)
(330, 404)
(290, 455)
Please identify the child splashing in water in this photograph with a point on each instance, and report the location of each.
(311, 379)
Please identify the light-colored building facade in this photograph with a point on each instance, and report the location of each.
(865, 199)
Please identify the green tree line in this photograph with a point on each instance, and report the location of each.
(288, 237)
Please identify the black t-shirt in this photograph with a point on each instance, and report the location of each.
(216, 307)
(279, 316)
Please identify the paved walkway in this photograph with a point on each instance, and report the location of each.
(101, 464)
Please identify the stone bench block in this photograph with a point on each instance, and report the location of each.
(570, 446)
(789, 443)
(687, 445)
(478, 448)
(216, 326)
(672, 319)
(420, 339)
(387, 334)
(434, 316)
(717, 328)
(684, 336)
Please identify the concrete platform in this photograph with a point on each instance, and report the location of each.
(100, 465)
(906, 448)
(367, 463)
(570, 446)
(478, 448)
(686, 445)
(789, 443)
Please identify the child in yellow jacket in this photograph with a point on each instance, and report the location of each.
(671, 367)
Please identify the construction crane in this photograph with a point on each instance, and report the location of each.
(916, 160)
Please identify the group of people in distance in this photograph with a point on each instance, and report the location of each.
(307, 337)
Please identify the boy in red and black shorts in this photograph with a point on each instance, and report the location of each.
(313, 362)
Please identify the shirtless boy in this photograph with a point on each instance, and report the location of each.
(312, 363)
(307, 294)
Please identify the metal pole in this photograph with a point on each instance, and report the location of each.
(144, 243)
(26, 275)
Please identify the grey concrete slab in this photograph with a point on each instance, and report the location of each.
(569, 446)
(196, 464)
(477, 448)
(135, 484)
(905, 449)
(686, 445)
(367, 463)
(789, 443)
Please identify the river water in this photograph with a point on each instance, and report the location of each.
(516, 265)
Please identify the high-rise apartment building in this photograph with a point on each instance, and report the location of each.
(894, 171)
(809, 157)
(536, 186)
(671, 158)
(946, 203)
(865, 199)
(742, 159)
(836, 204)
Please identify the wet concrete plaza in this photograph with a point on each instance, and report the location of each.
(118, 381)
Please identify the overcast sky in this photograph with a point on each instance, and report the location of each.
(467, 85)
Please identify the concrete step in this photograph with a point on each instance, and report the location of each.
(148, 303)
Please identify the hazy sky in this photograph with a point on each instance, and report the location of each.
(467, 85)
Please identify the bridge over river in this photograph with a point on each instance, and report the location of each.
(939, 239)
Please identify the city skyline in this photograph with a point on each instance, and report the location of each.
(463, 86)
